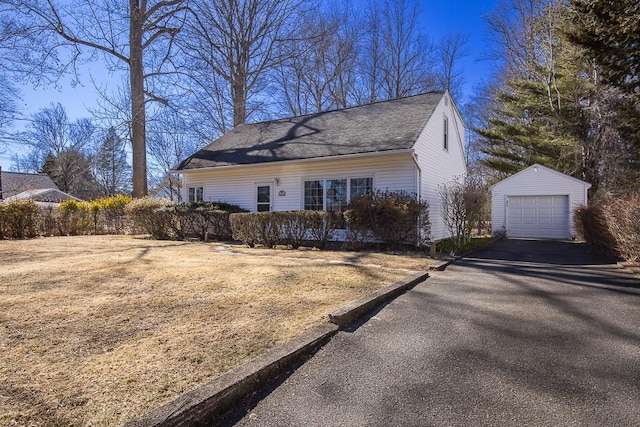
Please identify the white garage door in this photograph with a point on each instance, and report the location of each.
(545, 217)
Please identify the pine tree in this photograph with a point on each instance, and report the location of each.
(553, 109)
(111, 168)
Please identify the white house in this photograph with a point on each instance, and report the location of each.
(537, 202)
(320, 161)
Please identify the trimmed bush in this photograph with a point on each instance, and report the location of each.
(394, 218)
(146, 217)
(48, 220)
(18, 220)
(112, 209)
(289, 228)
(75, 217)
(205, 220)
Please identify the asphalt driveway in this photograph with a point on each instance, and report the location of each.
(521, 333)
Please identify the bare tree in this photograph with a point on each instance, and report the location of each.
(61, 148)
(51, 132)
(451, 50)
(318, 71)
(170, 141)
(234, 44)
(49, 38)
(396, 59)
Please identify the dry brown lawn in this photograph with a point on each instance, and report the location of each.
(98, 330)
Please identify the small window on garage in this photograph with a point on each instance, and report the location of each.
(196, 194)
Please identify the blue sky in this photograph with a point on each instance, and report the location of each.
(438, 18)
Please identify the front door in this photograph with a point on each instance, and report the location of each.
(263, 198)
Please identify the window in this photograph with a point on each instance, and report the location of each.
(336, 194)
(360, 186)
(263, 198)
(313, 195)
(333, 194)
(445, 143)
(196, 194)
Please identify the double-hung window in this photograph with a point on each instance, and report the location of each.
(196, 194)
(334, 194)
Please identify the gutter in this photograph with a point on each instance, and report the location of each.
(314, 159)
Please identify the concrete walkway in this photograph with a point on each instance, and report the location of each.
(521, 333)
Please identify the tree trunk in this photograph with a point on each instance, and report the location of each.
(138, 119)
(239, 103)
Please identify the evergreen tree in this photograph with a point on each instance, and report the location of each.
(111, 168)
(610, 31)
(553, 108)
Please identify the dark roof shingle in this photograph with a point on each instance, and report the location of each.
(17, 182)
(381, 126)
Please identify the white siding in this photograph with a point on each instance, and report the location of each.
(237, 184)
(439, 166)
(536, 180)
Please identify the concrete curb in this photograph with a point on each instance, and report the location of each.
(221, 394)
(349, 314)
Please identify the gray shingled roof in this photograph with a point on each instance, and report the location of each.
(381, 126)
(50, 195)
(15, 182)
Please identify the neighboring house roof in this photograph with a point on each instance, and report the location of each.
(378, 127)
(16, 182)
(52, 195)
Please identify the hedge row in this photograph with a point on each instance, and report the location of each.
(612, 226)
(170, 221)
(392, 219)
(25, 219)
(289, 228)
(117, 215)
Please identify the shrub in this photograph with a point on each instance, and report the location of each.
(206, 219)
(113, 210)
(49, 220)
(18, 220)
(612, 226)
(465, 204)
(321, 226)
(394, 218)
(256, 228)
(624, 225)
(591, 225)
(289, 228)
(146, 217)
(75, 217)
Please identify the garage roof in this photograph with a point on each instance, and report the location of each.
(538, 166)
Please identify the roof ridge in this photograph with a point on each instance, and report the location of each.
(26, 173)
(441, 91)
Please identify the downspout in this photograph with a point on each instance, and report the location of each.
(414, 156)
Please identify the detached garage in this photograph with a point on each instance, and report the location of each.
(537, 202)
